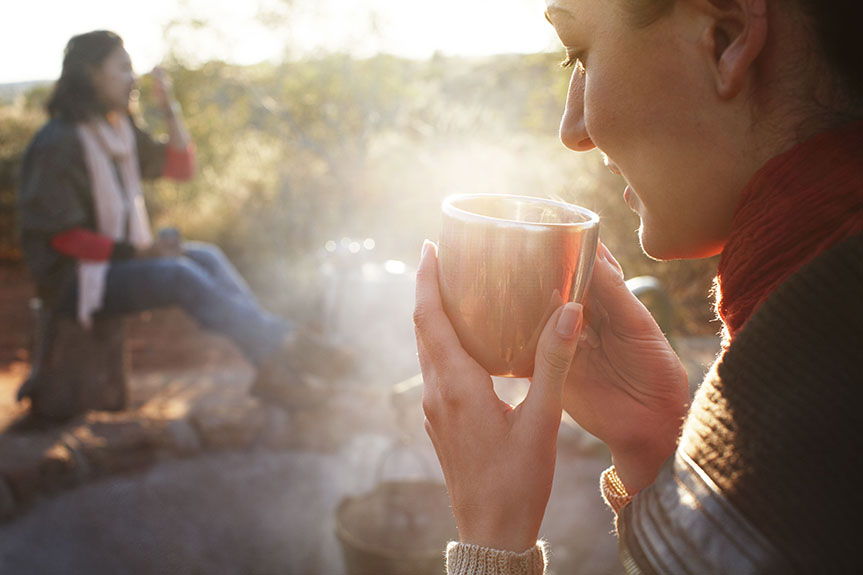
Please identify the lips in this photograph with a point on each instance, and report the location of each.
(612, 167)
(631, 199)
(629, 195)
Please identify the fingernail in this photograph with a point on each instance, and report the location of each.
(569, 320)
(427, 244)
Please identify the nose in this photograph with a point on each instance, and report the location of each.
(573, 131)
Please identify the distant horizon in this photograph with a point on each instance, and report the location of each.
(265, 30)
(466, 57)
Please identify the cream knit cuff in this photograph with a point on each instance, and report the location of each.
(467, 559)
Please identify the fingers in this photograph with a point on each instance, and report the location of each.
(162, 85)
(554, 354)
(607, 275)
(449, 373)
(430, 321)
(611, 301)
(158, 75)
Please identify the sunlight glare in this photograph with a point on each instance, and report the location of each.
(268, 30)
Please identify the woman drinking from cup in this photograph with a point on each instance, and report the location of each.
(737, 126)
(86, 236)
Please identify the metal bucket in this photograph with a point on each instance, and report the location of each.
(397, 528)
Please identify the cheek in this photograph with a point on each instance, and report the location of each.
(606, 112)
(121, 84)
(633, 116)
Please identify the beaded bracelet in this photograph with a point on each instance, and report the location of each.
(613, 490)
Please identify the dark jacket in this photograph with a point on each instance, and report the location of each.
(764, 480)
(56, 195)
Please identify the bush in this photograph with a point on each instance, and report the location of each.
(17, 126)
(295, 155)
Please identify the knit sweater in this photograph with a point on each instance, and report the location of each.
(774, 430)
(770, 441)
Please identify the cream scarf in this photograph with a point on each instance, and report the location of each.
(119, 203)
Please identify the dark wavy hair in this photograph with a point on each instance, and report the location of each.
(74, 98)
(836, 24)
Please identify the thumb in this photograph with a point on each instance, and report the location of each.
(610, 300)
(554, 355)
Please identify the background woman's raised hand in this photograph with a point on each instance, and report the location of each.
(163, 88)
(498, 460)
(178, 136)
(626, 385)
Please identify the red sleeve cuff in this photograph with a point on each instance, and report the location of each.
(83, 244)
(179, 163)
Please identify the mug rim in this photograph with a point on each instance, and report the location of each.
(450, 209)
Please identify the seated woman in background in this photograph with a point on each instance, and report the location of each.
(86, 235)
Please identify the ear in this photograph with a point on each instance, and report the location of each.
(736, 37)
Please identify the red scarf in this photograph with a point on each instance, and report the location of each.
(797, 205)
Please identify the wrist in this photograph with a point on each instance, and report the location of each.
(504, 535)
(146, 253)
(636, 473)
(122, 250)
(638, 463)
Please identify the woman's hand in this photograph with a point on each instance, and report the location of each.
(178, 136)
(167, 244)
(626, 385)
(498, 461)
(163, 88)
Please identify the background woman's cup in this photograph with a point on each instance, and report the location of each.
(505, 264)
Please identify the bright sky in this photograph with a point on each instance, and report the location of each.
(35, 31)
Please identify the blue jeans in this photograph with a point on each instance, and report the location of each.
(203, 283)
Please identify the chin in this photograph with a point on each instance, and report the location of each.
(663, 247)
(650, 249)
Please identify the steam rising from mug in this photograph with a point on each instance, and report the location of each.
(505, 264)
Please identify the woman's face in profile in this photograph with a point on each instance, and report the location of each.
(114, 80)
(644, 96)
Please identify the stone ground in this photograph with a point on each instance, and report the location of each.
(196, 477)
(200, 479)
